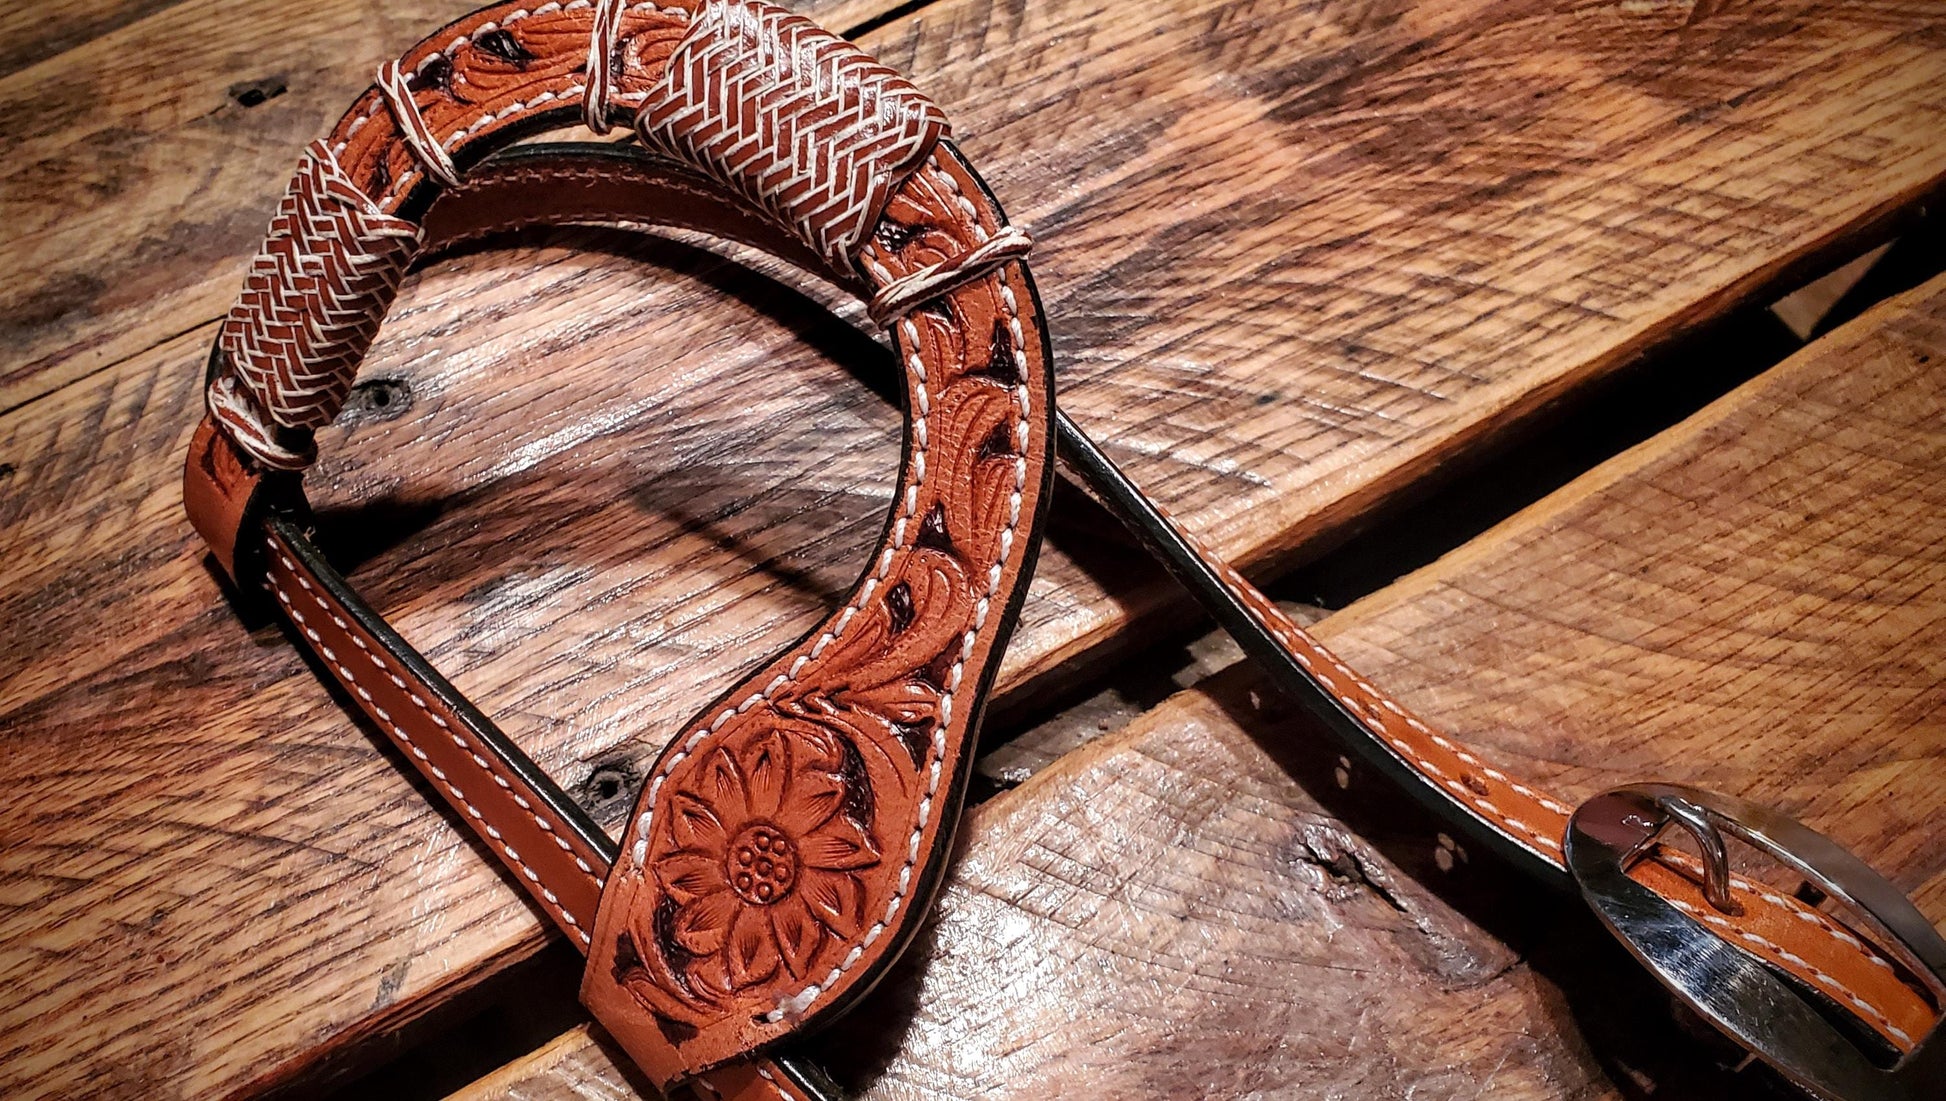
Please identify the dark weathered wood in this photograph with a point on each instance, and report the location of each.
(55, 28)
(1297, 258)
(1755, 601)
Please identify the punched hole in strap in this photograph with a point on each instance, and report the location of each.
(396, 90)
(906, 293)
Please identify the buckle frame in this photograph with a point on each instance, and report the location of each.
(1732, 990)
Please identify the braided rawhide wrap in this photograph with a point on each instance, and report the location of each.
(803, 124)
(311, 304)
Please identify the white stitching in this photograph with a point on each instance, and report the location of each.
(405, 739)
(1296, 641)
(401, 185)
(909, 504)
(763, 1072)
(908, 510)
(1799, 910)
(1789, 956)
(802, 1000)
(1292, 637)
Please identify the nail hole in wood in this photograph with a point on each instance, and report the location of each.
(257, 92)
(609, 786)
(379, 399)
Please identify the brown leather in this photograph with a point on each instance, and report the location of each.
(753, 1080)
(469, 761)
(427, 721)
(870, 720)
(785, 842)
(220, 492)
(605, 185)
(224, 497)
(1797, 938)
(504, 70)
(311, 304)
(1791, 935)
(882, 699)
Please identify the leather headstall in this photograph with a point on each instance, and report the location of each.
(787, 842)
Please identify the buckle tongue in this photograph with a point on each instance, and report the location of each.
(1733, 990)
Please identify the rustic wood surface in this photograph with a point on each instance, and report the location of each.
(146, 144)
(1194, 905)
(1297, 258)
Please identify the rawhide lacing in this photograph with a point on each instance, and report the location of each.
(310, 307)
(807, 127)
(601, 59)
(396, 89)
(243, 421)
(903, 294)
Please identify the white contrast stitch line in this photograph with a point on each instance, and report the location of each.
(1799, 910)
(1779, 951)
(1296, 641)
(405, 739)
(902, 526)
(1294, 637)
(763, 1072)
(803, 999)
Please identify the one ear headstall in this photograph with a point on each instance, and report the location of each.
(787, 842)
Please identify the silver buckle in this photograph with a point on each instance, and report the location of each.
(1731, 989)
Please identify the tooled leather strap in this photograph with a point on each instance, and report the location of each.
(837, 771)
(710, 996)
(550, 847)
(784, 845)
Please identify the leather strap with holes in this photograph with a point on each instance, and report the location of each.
(785, 844)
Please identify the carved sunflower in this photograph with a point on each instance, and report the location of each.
(765, 860)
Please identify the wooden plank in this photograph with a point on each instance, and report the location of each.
(140, 163)
(1296, 341)
(61, 26)
(1194, 905)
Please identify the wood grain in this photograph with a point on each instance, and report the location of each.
(141, 164)
(1298, 257)
(1754, 601)
(51, 29)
